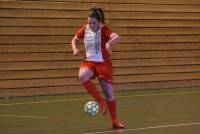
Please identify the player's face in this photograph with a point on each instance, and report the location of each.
(93, 23)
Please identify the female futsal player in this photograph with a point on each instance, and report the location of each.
(98, 41)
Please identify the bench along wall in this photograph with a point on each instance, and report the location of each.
(160, 49)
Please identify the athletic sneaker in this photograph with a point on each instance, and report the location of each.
(118, 125)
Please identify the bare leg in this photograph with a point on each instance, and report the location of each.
(85, 74)
(107, 89)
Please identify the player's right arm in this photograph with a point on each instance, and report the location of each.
(75, 49)
(76, 39)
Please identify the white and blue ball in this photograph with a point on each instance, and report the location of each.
(91, 108)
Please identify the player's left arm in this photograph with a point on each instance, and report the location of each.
(114, 39)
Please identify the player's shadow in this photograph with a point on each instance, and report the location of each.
(117, 132)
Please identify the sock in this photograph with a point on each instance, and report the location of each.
(112, 110)
(89, 86)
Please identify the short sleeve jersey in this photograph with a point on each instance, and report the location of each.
(95, 43)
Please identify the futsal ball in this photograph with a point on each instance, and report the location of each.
(91, 108)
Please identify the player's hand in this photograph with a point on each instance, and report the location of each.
(76, 52)
(109, 48)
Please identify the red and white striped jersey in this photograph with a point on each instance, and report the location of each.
(95, 42)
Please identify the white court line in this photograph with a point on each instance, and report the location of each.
(49, 101)
(21, 116)
(128, 96)
(146, 128)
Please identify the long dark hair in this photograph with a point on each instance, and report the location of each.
(97, 13)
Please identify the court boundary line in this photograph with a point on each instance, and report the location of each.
(88, 98)
(147, 128)
(23, 116)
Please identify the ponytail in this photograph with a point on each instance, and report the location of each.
(98, 14)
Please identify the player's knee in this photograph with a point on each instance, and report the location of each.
(85, 75)
(83, 78)
(110, 97)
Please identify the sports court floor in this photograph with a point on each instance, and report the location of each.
(166, 111)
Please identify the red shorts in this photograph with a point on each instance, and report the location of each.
(103, 70)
